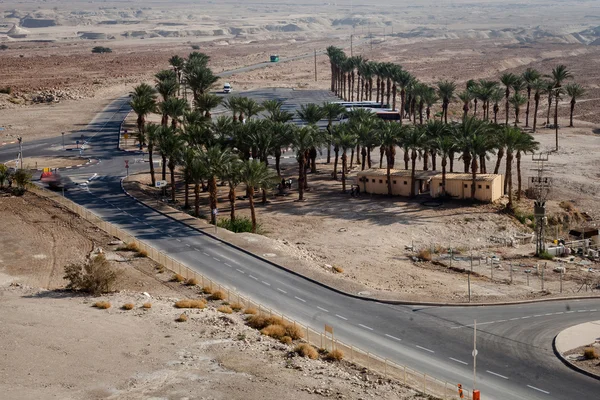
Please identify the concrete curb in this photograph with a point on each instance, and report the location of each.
(391, 302)
(568, 363)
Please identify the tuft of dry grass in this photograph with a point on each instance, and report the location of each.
(177, 278)
(147, 305)
(250, 311)
(338, 270)
(218, 295)
(294, 332)
(225, 309)
(192, 282)
(129, 247)
(141, 254)
(589, 353)
(274, 331)
(128, 306)
(207, 290)
(189, 303)
(335, 355)
(567, 206)
(182, 318)
(102, 305)
(306, 350)
(424, 255)
(237, 307)
(262, 321)
(286, 340)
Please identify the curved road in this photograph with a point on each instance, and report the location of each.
(515, 359)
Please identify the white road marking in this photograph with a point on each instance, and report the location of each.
(216, 259)
(206, 254)
(501, 376)
(459, 361)
(298, 298)
(366, 327)
(582, 311)
(188, 245)
(322, 309)
(393, 337)
(538, 389)
(529, 316)
(240, 271)
(253, 277)
(425, 348)
(179, 240)
(548, 314)
(339, 316)
(593, 310)
(558, 313)
(266, 283)
(537, 315)
(228, 265)
(282, 291)
(569, 312)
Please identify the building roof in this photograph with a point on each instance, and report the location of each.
(451, 176)
(396, 172)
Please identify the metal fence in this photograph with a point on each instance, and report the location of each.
(412, 378)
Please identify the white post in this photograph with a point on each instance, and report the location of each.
(474, 353)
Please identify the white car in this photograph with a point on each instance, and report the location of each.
(227, 88)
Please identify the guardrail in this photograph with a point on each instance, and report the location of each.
(390, 370)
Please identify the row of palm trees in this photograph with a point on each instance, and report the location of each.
(357, 79)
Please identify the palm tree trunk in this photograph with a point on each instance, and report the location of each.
(278, 162)
(572, 111)
(394, 91)
(344, 162)
(556, 121)
(425, 160)
(499, 160)
(406, 159)
(369, 156)
(172, 171)
(507, 105)
(301, 178)
(336, 150)
(186, 204)
(164, 167)
(473, 176)
(466, 160)
(351, 158)
(451, 156)
(197, 200)
(313, 160)
(363, 154)
(389, 174)
(264, 196)
(535, 113)
(433, 160)
(527, 110)
(508, 180)
(549, 108)
(357, 153)
(232, 202)
(212, 187)
(378, 84)
(413, 157)
(482, 167)
(151, 161)
(252, 210)
(519, 175)
(402, 104)
(444, 163)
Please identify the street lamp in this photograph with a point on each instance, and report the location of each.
(20, 139)
(63, 140)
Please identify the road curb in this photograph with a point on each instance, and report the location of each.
(372, 299)
(568, 363)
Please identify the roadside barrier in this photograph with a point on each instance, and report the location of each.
(412, 378)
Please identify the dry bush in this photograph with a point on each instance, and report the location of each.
(225, 309)
(286, 340)
(250, 311)
(294, 331)
(262, 321)
(177, 278)
(147, 305)
(189, 303)
(102, 305)
(424, 255)
(237, 307)
(128, 306)
(95, 276)
(192, 282)
(335, 355)
(567, 206)
(589, 353)
(306, 350)
(129, 247)
(338, 270)
(182, 318)
(274, 331)
(218, 295)
(207, 290)
(141, 254)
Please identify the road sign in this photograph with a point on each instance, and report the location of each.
(126, 163)
(215, 211)
(329, 329)
(125, 131)
(475, 352)
(160, 184)
(125, 136)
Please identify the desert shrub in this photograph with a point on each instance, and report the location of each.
(147, 305)
(4, 174)
(424, 255)
(160, 268)
(567, 206)
(544, 255)
(338, 270)
(22, 179)
(225, 309)
(195, 47)
(128, 306)
(262, 321)
(286, 340)
(191, 282)
(95, 276)
(589, 353)
(104, 305)
(101, 49)
(250, 311)
(177, 278)
(3, 47)
(182, 318)
(274, 331)
(239, 225)
(294, 331)
(306, 350)
(189, 303)
(141, 254)
(130, 247)
(207, 290)
(218, 295)
(236, 307)
(6, 90)
(335, 355)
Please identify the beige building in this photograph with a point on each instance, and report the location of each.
(488, 187)
(374, 181)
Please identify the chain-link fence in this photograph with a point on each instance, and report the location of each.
(417, 380)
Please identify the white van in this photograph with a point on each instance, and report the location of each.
(227, 88)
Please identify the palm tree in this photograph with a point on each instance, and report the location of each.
(403, 79)
(446, 91)
(538, 87)
(188, 156)
(496, 97)
(303, 138)
(249, 107)
(282, 133)
(177, 63)
(430, 98)
(255, 174)
(345, 140)
(334, 54)
(525, 144)
(331, 112)
(511, 140)
(232, 173)
(517, 100)
(311, 114)
(388, 137)
(207, 102)
(466, 97)
(197, 175)
(574, 91)
(508, 80)
(152, 135)
(215, 160)
(175, 108)
(166, 75)
(559, 74)
(477, 140)
(143, 102)
(272, 106)
(199, 78)
(233, 104)
(414, 139)
(445, 145)
(170, 146)
(529, 76)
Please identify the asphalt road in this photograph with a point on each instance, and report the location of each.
(515, 359)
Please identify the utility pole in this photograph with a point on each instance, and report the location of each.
(474, 353)
(63, 140)
(20, 139)
(351, 50)
(315, 65)
(541, 185)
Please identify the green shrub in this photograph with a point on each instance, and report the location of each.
(22, 179)
(100, 49)
(6, 90)
(239, 225)
(544, 255)
(96, 276)
(3, 47)
(195, 47)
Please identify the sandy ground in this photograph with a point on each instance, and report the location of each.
(81, 352)
(592, 366)
(49, 162)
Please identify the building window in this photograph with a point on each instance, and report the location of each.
(478, 186)
(406, 183)
(381, 181)
(394, 182)
(487, 186)
(373, 180)
(466, 186)
(440, 184)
